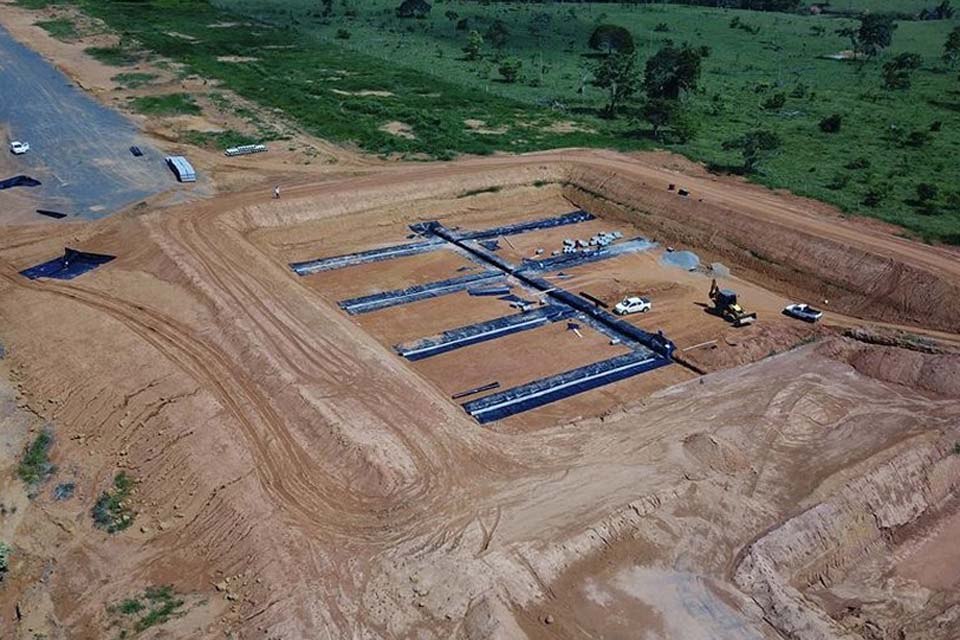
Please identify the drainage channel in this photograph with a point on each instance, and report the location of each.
(482, 332)
(563, 385)
(365, 304)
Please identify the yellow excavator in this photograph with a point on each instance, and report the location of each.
(725, 305)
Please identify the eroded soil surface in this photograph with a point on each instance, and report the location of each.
(294, 477)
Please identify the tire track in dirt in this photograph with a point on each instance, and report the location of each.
(283, 473)
(242, 288)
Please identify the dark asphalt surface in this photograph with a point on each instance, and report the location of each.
(79, 149)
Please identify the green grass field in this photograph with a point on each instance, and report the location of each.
(59, 28)
(890, 141)
(167, 104)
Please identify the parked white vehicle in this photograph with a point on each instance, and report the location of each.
(803, 312)
(632, 304)
(19, 148)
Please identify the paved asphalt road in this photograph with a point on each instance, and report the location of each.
(79, 149)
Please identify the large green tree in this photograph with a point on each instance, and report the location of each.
(754, 146)
(672, 71)
(874, 34)
(617, 73)
(497, 34)
(668, 75)
(611, 38)
(896, 73)
(951, 48)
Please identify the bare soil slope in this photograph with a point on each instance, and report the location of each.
(277, 443)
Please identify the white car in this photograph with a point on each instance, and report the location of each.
(632, 304)
(19, 148)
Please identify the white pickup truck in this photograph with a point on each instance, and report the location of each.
(632, 304)
(18, 148)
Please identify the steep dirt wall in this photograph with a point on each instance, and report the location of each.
(855, 281)
(796, 253)
(822, 543)
(393, 188)
(937, 373)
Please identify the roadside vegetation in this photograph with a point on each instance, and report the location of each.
(60, 28)
(35, 466)
(860, 111)
(167, 104)
(134, 80)
(155, 606)
(116, 56)
(112, 511)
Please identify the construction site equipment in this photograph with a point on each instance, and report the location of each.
(725, 305)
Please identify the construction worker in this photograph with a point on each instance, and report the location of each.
(276, 192)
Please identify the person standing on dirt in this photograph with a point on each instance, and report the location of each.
(276, 192)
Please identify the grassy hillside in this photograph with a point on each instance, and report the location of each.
(346, 75)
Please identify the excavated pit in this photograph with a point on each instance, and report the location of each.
(759, 499)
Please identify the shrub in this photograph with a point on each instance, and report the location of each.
(35, 467)
(134, 80)
(59, 28)
(832, 123)
(111, 511)
(839, 181)
(167, 104)
(926, 192)
(114, 56)
(343, 34)
(918, 138)
(5, 552)
(858, 163)
(510, 69)
(876, 194)
(775, 102)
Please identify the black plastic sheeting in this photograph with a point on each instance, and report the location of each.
(365, 304)
(52, 214)
(373, 255)
(493, 290)
(68, 266)
(573, 217)
(568, 260)
(19, 181)
(625, 331)
(414, 248)
(563, 385)
(482, 332)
